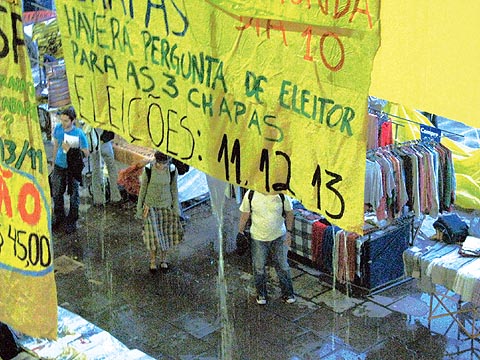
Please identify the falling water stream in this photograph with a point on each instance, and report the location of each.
(217, 198)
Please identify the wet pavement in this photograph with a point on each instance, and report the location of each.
(178, 315)
(204, 307)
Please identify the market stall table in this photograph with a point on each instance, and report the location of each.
(441, 264)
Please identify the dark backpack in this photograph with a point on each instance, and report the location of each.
(182, 168)
(107, 136)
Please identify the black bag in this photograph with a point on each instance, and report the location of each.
(452, 228)
(243, 243)
(107, 136)
(181, 167)
(8, 346)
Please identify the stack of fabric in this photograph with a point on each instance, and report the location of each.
(302, 240)
(131, 154)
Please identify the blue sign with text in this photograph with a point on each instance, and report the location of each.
(430, 133)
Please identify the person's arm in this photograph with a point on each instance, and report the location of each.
(289, 218)
(174, 192)
(55, 150)
(141, 195)
(243, 242)
(244, 216)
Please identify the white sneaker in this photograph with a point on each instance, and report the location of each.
(290, 299)
(261, 300)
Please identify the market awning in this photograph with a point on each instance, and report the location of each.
(31, 17)
(428, 58)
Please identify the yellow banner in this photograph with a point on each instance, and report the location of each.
(28, 297)
(429, 57)
(269, 97)
(346, 14)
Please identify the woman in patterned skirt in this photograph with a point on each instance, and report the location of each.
(158, 206)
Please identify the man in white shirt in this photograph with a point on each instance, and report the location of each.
(270, 233)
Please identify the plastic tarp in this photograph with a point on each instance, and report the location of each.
(28, 298)
(79, 339)
(192, 184)
(265, 95)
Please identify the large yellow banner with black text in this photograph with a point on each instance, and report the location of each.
(267, 95)
(28, 297)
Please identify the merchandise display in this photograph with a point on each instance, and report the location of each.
(407, 179)
(451, 279)
(79, 339)
(367, 262)
(403, 182)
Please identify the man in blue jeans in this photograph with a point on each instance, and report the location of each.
(270, 233)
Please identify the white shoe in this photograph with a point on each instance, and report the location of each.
(290, 299)
(261, 300)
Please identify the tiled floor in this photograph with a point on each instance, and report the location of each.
(191, 313)
(204, 307)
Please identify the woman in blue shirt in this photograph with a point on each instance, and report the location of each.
(69, 143)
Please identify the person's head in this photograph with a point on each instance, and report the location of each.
(68, 116)
(70, 112)
(161, 158)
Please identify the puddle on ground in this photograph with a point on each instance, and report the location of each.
(309, 286)
(246, 276)
(337, 301)
(65, 265)
(95, 282)
(410, 305)
(382, 300)
(197, 325)
(371, 309)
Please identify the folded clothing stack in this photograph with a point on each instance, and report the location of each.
(470, 247)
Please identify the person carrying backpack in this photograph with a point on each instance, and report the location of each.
(102, 151)
(158, 207)
(271, 232)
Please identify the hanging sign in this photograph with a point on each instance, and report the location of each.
(270, 97)
(28, 297)
(430, 133)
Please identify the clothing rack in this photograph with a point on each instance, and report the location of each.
(372, 110)
(405, 143)
(416, 201)
(396, 126)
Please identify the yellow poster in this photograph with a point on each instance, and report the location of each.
(28, 297)
(428, 59)
(267, 95)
